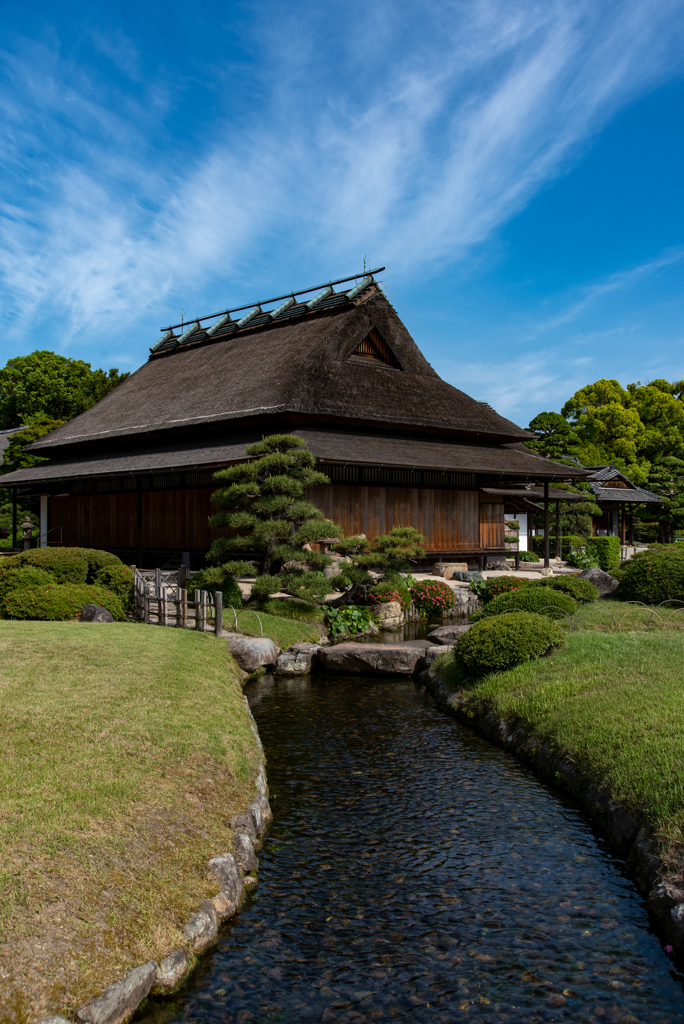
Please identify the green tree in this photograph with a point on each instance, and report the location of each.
(44, 385)
(556, 439)
(15, 457)
(263, 502)
(667, 480)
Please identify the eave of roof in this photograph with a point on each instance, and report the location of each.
(327, 446)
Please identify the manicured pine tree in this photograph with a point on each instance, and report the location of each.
(263, 500)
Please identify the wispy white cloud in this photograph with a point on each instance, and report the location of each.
(406, 131)
(620, 281)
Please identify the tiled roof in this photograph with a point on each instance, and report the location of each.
(631, 493)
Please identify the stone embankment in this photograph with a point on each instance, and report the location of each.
(664, 895)
(234, 874)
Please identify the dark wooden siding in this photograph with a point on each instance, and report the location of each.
(449, 519)
(171, 520)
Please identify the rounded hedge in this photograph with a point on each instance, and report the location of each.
(501, 642)
(654, 576)
(432, 596)
(216, 578)
(532, 599)
(97, 560)
(21, 576)
(65, 565)
(57, 602)
(527, 556)
(582, 591)
(119, 579)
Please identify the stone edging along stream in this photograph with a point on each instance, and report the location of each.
(665, 899)
(233, 873)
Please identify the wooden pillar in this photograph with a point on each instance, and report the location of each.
(558, 537)
(14, 517)
(140, 525)
(546, 524)
(622, 524)
(218, 610)
(631, 526)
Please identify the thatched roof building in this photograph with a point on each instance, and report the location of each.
(339, 368)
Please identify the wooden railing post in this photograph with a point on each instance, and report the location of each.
(218, 613)
(184, 608)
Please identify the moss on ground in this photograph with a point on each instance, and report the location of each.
(125, 751)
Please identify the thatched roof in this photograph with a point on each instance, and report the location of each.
(346, 359)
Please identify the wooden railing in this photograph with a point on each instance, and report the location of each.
(159, 599)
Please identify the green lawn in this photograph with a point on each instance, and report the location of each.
(125, 751)
(283, 631)
(614, 701)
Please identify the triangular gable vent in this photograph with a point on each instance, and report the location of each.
(375, 347)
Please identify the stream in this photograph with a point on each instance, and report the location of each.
(416, 873)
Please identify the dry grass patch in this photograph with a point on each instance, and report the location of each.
(125, 750)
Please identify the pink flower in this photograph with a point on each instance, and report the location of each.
(669, 949)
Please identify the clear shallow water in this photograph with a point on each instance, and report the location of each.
(414, 872)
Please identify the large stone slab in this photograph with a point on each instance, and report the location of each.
(371, 659)
(447, 569)
(448, 634)
(604, 583)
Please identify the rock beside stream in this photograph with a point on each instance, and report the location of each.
(371, 659)
(251, 653)
(448, 634)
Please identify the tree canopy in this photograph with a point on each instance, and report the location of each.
(639, 429)
(44, 385)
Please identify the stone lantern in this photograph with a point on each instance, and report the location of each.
(27, 532)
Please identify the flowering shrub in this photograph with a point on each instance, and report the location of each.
(432, 596)
(487, 590)
(385, 592)
(21, 576)
(59, 602)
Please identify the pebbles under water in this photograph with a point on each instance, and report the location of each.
(414, 872)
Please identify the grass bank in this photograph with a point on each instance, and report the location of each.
(125, 751)
(614, 703)
(283, 632)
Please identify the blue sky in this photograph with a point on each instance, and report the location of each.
(516, 166)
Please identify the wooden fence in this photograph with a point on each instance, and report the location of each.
(161, 599)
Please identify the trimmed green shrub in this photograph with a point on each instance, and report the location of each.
(606, 550)
(432, 596)
(386, 591)
(57, 602)
(531, 599)
(96, 559)
(527, 556)
(487, 590)
(119, 579)
(65, 565)
(581, 590)
(654, 576)
(216, 578)
(495, 644)
(21, 576)
(288, 608)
